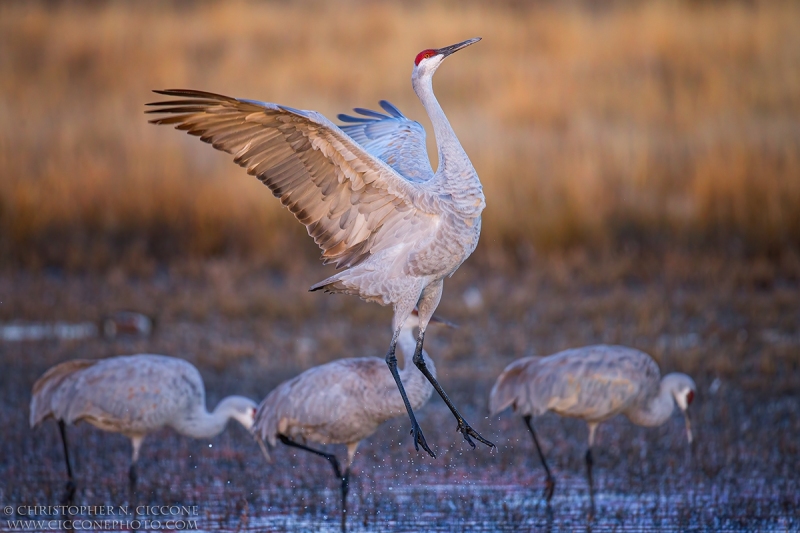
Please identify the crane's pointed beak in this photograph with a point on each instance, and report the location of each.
(439, 320)
(263, 447)
(688, 426)
(447, 50)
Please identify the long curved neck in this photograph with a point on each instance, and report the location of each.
(448, 145)
(202, 425)
(655, 410)
(418, 388)
(455, 177)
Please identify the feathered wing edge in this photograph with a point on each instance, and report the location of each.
(386, 105)
(393, 138)
(265, 427)
(351, 202)
(48, 385)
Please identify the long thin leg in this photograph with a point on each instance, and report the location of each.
(345, 490)
(330, 457)
(589, 463)
(465, 429)
(136, 445)
(132, 477)
(70, 487)
(550, 483)
(345, 478)
(416, 431)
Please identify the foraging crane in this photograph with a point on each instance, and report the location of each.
(342, 402)
(133, 395)
(366, 193)
(594, 383)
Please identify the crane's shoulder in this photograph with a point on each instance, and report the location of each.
(600, 359)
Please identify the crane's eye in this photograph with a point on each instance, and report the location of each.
(425, 54)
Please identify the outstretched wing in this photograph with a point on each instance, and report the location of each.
(352, 203)
(394, 139)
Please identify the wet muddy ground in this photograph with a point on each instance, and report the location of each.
(248, 329)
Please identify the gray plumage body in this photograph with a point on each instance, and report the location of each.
(594, 383)
(344, 401)
(366, 193)
(134, 395)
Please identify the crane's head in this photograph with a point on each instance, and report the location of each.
(241, 409)
(429, 60)
(683, 390)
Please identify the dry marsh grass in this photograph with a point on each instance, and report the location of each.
(659, 123)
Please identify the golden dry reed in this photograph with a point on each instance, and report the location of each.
(659, 123)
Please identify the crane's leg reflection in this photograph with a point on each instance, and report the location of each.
(132, 477)
(589, 464)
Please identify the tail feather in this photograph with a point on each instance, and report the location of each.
(348, 282)
(267, 419)
(48, 385)
(331, 284)
(509, 390)
(336, 285)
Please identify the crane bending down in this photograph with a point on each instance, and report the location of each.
(342, 402)
(366, 193)
(133, 395)
(593, 383)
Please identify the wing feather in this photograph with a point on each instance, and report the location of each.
(336, 187)
(393, 138)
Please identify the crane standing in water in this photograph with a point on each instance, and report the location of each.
(133, 395)
(342, 402)
(593, 383)
(366, 193)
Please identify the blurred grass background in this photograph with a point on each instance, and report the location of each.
(601, 126)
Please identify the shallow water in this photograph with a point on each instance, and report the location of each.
(740, 474)
(455, 507)
(646, 479)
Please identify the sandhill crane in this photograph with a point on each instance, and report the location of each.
(342, 402)
(366, 193)
(133, 395)
(593, 383)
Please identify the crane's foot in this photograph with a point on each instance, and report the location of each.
(549, 488)
(467, 432)
(419, 439)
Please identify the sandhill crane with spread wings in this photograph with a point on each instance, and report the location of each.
(133, 395)
(342, 402)
(593, 383)
(366, 193)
